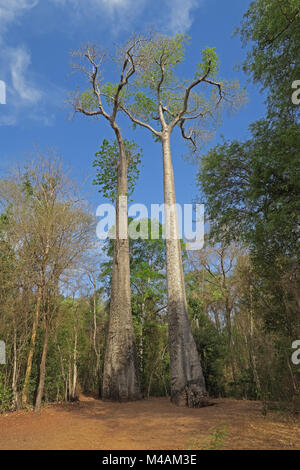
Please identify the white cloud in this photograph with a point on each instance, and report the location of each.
(175, 15)
(121, 13)
(8, 119)
(111, 16)
(24, 97)
(10, 10)
(172, 16)
(180, 14)
(103, 6)
(112, 4)
(19, 61)
(15, 62)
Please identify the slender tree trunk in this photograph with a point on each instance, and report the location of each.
(15, 369)
(120, 379)
(62, 371)
(230, 343)
(252, 353)
(73, 396)
(142, 364)
(217, 319)
(69, 379)
(32, 346)
(97, 352)
(35, 324)
(187, 380)
(40, 392)
(292, 376)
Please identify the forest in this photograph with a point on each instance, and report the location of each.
(132, 319)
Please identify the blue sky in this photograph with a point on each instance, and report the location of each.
(36, 37)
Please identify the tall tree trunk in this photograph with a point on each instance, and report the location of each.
(32, 345)
(187, 380)
(40, 392)
(120, 379)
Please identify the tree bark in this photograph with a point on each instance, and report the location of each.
(120, 379)
(230, 342)
(97, 352)
(252, 350)
(187, 380)
(15, 363)
(40, 392)
(32, 346)
(65, 379)
(217, 319)
(73, 394)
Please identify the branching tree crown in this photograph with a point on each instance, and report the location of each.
(157, 94)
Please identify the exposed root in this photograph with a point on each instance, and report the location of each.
(192, 396)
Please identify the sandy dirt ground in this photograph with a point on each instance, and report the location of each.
(150, 424)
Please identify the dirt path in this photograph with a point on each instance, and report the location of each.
(150, 424)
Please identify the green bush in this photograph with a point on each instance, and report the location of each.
(5, 396)
(211, 347)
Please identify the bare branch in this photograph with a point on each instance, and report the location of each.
(187, 137)
(160, 106)
(95, 59)
(187, 95)
(124, 79)
(140, 123)
(181, 117)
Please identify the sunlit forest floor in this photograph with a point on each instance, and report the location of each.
(150, 424)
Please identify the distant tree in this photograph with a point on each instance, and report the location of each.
(252, 193)
(211, 344)
(50, 230)
(213, 268)
(251, 190)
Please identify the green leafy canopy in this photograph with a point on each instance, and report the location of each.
(106, 164)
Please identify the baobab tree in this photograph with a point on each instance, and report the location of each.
(120, 379)
(158, 96)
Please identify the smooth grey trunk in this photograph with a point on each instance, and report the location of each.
(120, 379)
(187, 380)
(73, 384)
